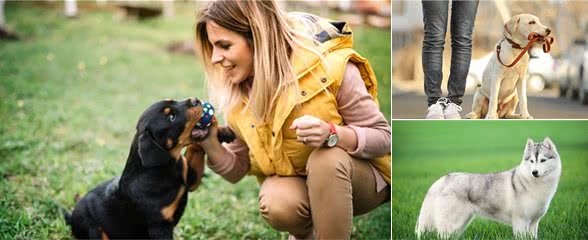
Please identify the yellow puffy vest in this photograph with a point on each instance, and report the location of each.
(273, 149)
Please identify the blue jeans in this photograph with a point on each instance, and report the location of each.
(463, 16)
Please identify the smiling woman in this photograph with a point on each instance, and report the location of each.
(301, 102)
(232, 52)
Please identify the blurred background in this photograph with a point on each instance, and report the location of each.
(557, 81)
(74, 77)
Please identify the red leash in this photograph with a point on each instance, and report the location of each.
(533, 37)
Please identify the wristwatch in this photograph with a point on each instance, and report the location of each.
(333, 138)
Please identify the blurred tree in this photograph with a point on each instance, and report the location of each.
(4, 32)
(71, 9)
(168, 8)
(2, 20)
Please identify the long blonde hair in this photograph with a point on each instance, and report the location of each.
(268, 33)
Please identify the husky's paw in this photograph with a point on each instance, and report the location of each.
(526, 116)
(491, 116)
(471, 115)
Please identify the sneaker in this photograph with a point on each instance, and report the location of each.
(452, 111)
(435, 111)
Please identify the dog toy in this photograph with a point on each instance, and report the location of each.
(207, 116)
(225, 134)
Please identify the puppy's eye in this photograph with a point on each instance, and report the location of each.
(543, 160)
(171, 117)
(532, 22)
(532, 161)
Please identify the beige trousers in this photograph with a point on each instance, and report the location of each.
(336, 188)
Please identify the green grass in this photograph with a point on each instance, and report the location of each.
(71, 92)
(423, 151)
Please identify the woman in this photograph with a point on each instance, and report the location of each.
(289, 83)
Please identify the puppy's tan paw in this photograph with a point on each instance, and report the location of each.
(471, 115)
(491, 116)
(526, 116)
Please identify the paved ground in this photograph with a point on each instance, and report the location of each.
(409, 105)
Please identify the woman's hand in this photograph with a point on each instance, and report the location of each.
(311, 130)
(209, 137)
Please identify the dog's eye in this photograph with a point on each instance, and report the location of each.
(532, 161)
(543, 160)
(532, 22)
(171, 117)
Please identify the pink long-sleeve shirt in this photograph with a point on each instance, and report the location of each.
(360, 113)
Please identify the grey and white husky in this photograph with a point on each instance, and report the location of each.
(518, 197)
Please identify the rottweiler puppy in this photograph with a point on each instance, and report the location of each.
(149, 198)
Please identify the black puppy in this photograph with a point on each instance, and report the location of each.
(148, 200)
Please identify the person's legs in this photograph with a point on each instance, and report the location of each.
(463, 16)
(435, 23)
(339, 187)
(284, 204)
(365, 196)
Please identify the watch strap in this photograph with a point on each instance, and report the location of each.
(332, 128)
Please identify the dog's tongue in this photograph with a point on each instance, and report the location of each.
(199, 134)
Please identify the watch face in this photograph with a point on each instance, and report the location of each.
(332, 141)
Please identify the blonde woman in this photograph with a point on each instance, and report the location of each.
(302, 104)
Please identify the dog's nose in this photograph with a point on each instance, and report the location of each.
(548, 31)
(535, 173)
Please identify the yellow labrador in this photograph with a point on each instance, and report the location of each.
(503, 87)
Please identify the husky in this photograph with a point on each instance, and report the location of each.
(518, 197)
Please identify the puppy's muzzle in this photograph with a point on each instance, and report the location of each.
(193, 102)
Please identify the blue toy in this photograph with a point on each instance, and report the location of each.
(207, 116)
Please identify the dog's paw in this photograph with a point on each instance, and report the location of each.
(225, 134)
(526, 116)
(491, 116)
(471, 115)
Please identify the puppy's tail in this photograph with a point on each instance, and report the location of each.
(66, 216)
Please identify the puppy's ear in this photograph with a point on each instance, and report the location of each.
(151, 153)
(510, 27)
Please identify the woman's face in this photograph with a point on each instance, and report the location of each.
(230, 51)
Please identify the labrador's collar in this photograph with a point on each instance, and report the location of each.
(513, 44)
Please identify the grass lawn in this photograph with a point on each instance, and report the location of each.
(423, 151)
(71, 92)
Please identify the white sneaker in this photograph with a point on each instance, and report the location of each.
(435, 111)
(452, 111)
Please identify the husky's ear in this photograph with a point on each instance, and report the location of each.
(548, 143)
(529, 145)
(151, 153)
(530, 142)
(510, 27)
